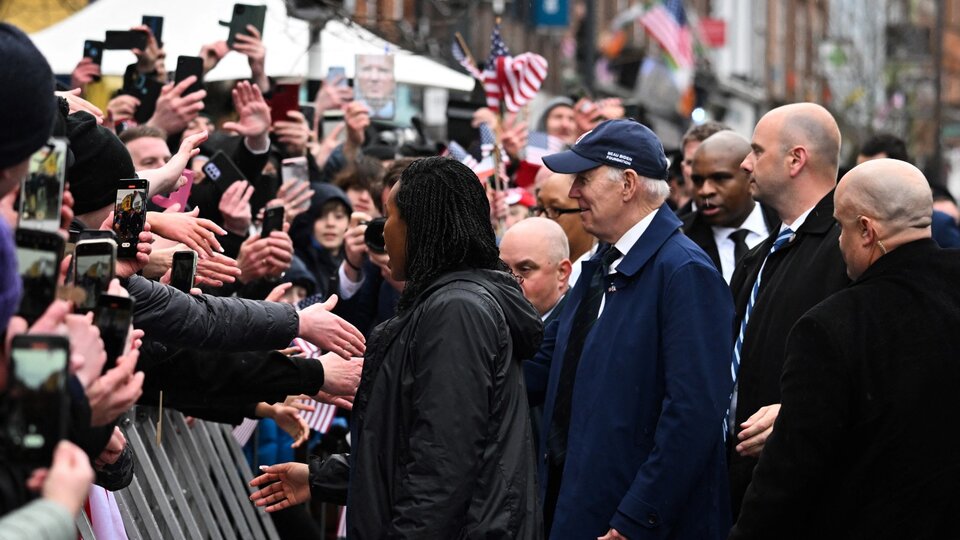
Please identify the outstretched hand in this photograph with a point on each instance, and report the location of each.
(318, 325)
(285, 485)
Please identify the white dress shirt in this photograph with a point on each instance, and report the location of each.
(725, 245)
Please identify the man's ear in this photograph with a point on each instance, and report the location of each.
(563, 271)
(867, 228)
(631, 183)
(796, 159)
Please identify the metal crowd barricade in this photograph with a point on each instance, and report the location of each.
(191, 486)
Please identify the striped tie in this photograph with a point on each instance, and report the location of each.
(783, 239)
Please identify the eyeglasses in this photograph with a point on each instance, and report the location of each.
(553, 213)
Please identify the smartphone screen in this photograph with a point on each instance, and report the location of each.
(187, 66)
(272, 221)
(41, 191)
(129, 215)
(37, 392)
(93, 268)
(38, 260)
(337, 75)
(113, 315)
(184, 270)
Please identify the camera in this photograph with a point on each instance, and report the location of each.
(373, 236)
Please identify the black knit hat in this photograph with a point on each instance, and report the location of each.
(101, 161)
(26, 92)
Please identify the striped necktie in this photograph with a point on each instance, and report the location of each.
(783, 239)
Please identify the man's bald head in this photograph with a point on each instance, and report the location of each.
(813, 127)
(880, 205)
(891, 191)
(542, 232)
(536, 250)
(729, 143)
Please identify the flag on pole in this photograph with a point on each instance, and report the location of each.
(464, 59)
(457, 152)
(513, 80)
(667, 24)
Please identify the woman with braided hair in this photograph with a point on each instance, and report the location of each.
(440, 433)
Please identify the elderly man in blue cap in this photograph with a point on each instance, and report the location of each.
(638, 385)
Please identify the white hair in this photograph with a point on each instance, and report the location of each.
(655, 188)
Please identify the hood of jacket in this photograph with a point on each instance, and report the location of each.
(526, 327)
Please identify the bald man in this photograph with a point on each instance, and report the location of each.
(537, 251)
(554, 202)
(727, 222)
(793, 161)
(865, 445)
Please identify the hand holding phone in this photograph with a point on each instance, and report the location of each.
(244, 14)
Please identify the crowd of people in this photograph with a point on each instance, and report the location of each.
(744, 343)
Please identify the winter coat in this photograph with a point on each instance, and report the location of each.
(442, 446)
(178, 319)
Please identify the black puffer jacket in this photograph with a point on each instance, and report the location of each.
(178, 319)
(441, 438)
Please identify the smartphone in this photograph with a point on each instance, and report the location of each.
(286, 98)
(124, 40)
(129, 215)
(38, 262)
(272, 221)
(222, 170)
(155, 24)
(309, 112)
(94, 262)
(37, 394)
(184, 270)
(244, 14)
(294, 170)
(190, 65)
(93, 50)
(113, 316)
(41, 191)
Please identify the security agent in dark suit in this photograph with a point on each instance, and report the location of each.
(860, 448)
(793, 164)
(727, 222)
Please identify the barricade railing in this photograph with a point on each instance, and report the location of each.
(193, 485)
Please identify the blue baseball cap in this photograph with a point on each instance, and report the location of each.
(623, 143)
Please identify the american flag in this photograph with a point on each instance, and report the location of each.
(539, 144)
(667, 24)
(457, 152)
(460, 56)
(319, 419)
(513, 80)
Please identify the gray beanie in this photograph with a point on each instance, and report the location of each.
(26, 92)
(551, 105)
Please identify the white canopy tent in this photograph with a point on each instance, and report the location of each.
(189, 24)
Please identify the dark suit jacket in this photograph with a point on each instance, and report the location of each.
(864, 446)
(701, 232)
(796, 278)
